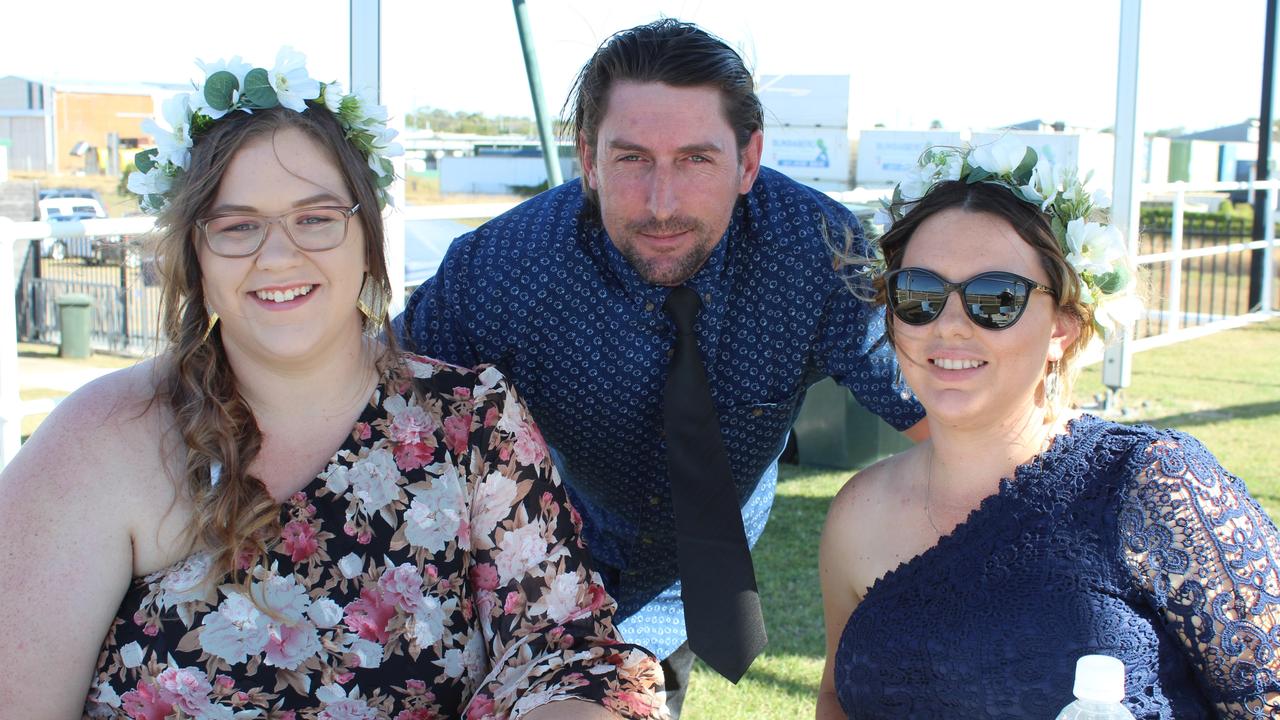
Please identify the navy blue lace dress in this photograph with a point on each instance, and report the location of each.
(1126, 541)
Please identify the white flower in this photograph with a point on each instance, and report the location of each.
(368, 652)
(560, 601)
(290, 81)
(291, 645)
(331, 693)
(491, 504)
(283, 596)
(1093, 247)
(429, 618)
(101, 695)
(883, 219)
(185, 582)
(1001, 157)
(451, 663)
(520, 551)
(324, 612)
(187, 689)
(332, 96)
(375, 479)
(351, 565)
(1101, 199)
(132, 655)
(335, 478)
(236, 67)
(1046, 183)
(435, 516)
(384, 143)
(348, 710)
(173, 140)
(235, 630)
(155, 182)
(1116, 313)
(402, 583)
(474, 657)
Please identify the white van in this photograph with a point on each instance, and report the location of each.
(66, 209)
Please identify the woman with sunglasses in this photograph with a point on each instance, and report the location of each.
(964, 577)
(282, 516)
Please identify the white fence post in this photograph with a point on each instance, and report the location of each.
(10, 407)
(1268, 254)
(1174, 321)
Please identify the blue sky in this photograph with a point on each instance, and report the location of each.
(968, 64)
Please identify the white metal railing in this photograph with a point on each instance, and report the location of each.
(1170, 306)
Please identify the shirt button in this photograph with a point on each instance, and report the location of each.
(647, 540)
(653, 500)
(757, 412)
(706, 297)
(648, 307)
(670, 352)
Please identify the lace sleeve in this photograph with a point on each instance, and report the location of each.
(1208, 558)
(545, 617)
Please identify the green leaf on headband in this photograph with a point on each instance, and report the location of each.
(977, 174)
(258, 93)
(1022, 173)
(146, 160)
(220, 90)
(1114, 280)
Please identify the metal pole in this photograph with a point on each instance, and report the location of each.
(1174, 321)
(550, 151)
(1116, 363)
(10, 407)
(366, 79)
(1258, 269)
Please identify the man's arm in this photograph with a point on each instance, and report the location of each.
(437, 318)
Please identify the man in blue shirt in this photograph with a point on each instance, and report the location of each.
(566, 294)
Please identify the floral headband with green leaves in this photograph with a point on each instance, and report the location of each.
(1095, 250)
(234, 86)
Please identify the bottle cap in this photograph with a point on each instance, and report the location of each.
(1099, 678)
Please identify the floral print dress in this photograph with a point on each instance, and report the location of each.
(433, 570)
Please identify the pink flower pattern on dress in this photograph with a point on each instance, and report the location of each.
(369, 606)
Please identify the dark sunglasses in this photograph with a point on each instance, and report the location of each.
(993, 300)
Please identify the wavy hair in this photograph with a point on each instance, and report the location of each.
(233, 517)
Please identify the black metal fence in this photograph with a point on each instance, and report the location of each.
(122, 285)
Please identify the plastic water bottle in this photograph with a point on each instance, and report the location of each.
(1099, 690)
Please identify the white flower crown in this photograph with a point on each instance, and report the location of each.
(233, 85)
(1095, 250)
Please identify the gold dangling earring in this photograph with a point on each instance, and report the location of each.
(1052, 385)
(372, 303)
(213, 320)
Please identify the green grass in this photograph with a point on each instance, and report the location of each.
(1224, 389)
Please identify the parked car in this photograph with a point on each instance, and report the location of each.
(57, 209)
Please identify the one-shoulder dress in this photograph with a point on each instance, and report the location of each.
(1124, 541)
(432, 570)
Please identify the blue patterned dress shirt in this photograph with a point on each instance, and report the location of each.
(543, 293)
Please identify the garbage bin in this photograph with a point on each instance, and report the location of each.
(833, 430)
(75, 318)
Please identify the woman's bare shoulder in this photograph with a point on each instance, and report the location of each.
(871, 486)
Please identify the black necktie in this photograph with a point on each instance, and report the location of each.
(721, 604)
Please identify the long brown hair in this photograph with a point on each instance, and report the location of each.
(213, 420)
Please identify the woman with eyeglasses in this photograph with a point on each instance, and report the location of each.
(281, 515)
(964, 577)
